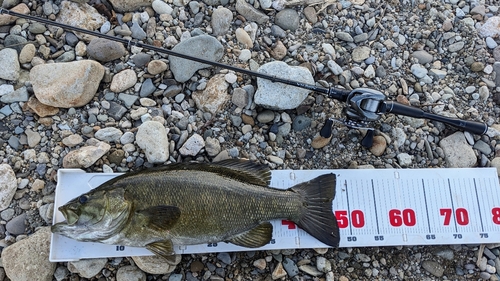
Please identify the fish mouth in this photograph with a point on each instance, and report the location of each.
(70, 215)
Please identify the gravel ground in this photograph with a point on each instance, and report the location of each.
(71, 101)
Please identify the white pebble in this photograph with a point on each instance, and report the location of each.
(245, 55)
(230, 78)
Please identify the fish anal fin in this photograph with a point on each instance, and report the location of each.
(164, 248)
(255, 237)
(161, 217)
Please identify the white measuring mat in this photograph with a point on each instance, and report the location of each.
(380, 207)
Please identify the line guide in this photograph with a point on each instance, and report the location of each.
(379, 207)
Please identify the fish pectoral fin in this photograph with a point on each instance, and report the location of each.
(255, 237)
(160, 218)
(162, 248)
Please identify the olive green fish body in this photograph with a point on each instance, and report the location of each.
(215, 209)
(186, 204)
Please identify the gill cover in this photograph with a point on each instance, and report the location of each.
(94, 216)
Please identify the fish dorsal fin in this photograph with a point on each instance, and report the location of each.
(255, 237)
(237, 169)
(243, 170)
(162, 248)
(159, 218)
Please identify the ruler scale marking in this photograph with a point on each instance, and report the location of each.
(452, 206)
(348, 206)
(478, 206)
(375, 208)
(426, 207)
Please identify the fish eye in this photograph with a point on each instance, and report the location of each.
(83, 199)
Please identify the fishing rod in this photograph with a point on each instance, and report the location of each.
(363, 105)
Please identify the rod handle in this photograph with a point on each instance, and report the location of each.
(474, 127)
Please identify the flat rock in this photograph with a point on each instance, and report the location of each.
(87, 268)
(123, 80)
(20, 94)
(201, 46)
(109, 134)
(105, 50)
(68, 84)
(156, 264)
(10, 64)
(80, 15)
(458, 153)
(214, 96)
(86, 156)
(72, 140)
(28, 259)
(280, 96)
(278, 272)
(8, 185)
(153, 139)
(221, 21)
(41, 109)
(250, 13)
(129, 5)
(192, 146)
(360, 53)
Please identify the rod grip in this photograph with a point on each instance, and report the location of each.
(474, 127)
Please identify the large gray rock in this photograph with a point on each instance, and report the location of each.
(202, 46)
(8, 186)
(68, 84)
(10, 64)
(457, 152)
(153, 139)
(279, 96)
(28, 259)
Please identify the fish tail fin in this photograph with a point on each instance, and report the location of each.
(318, 218)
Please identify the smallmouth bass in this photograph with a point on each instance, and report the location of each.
(196, 203)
